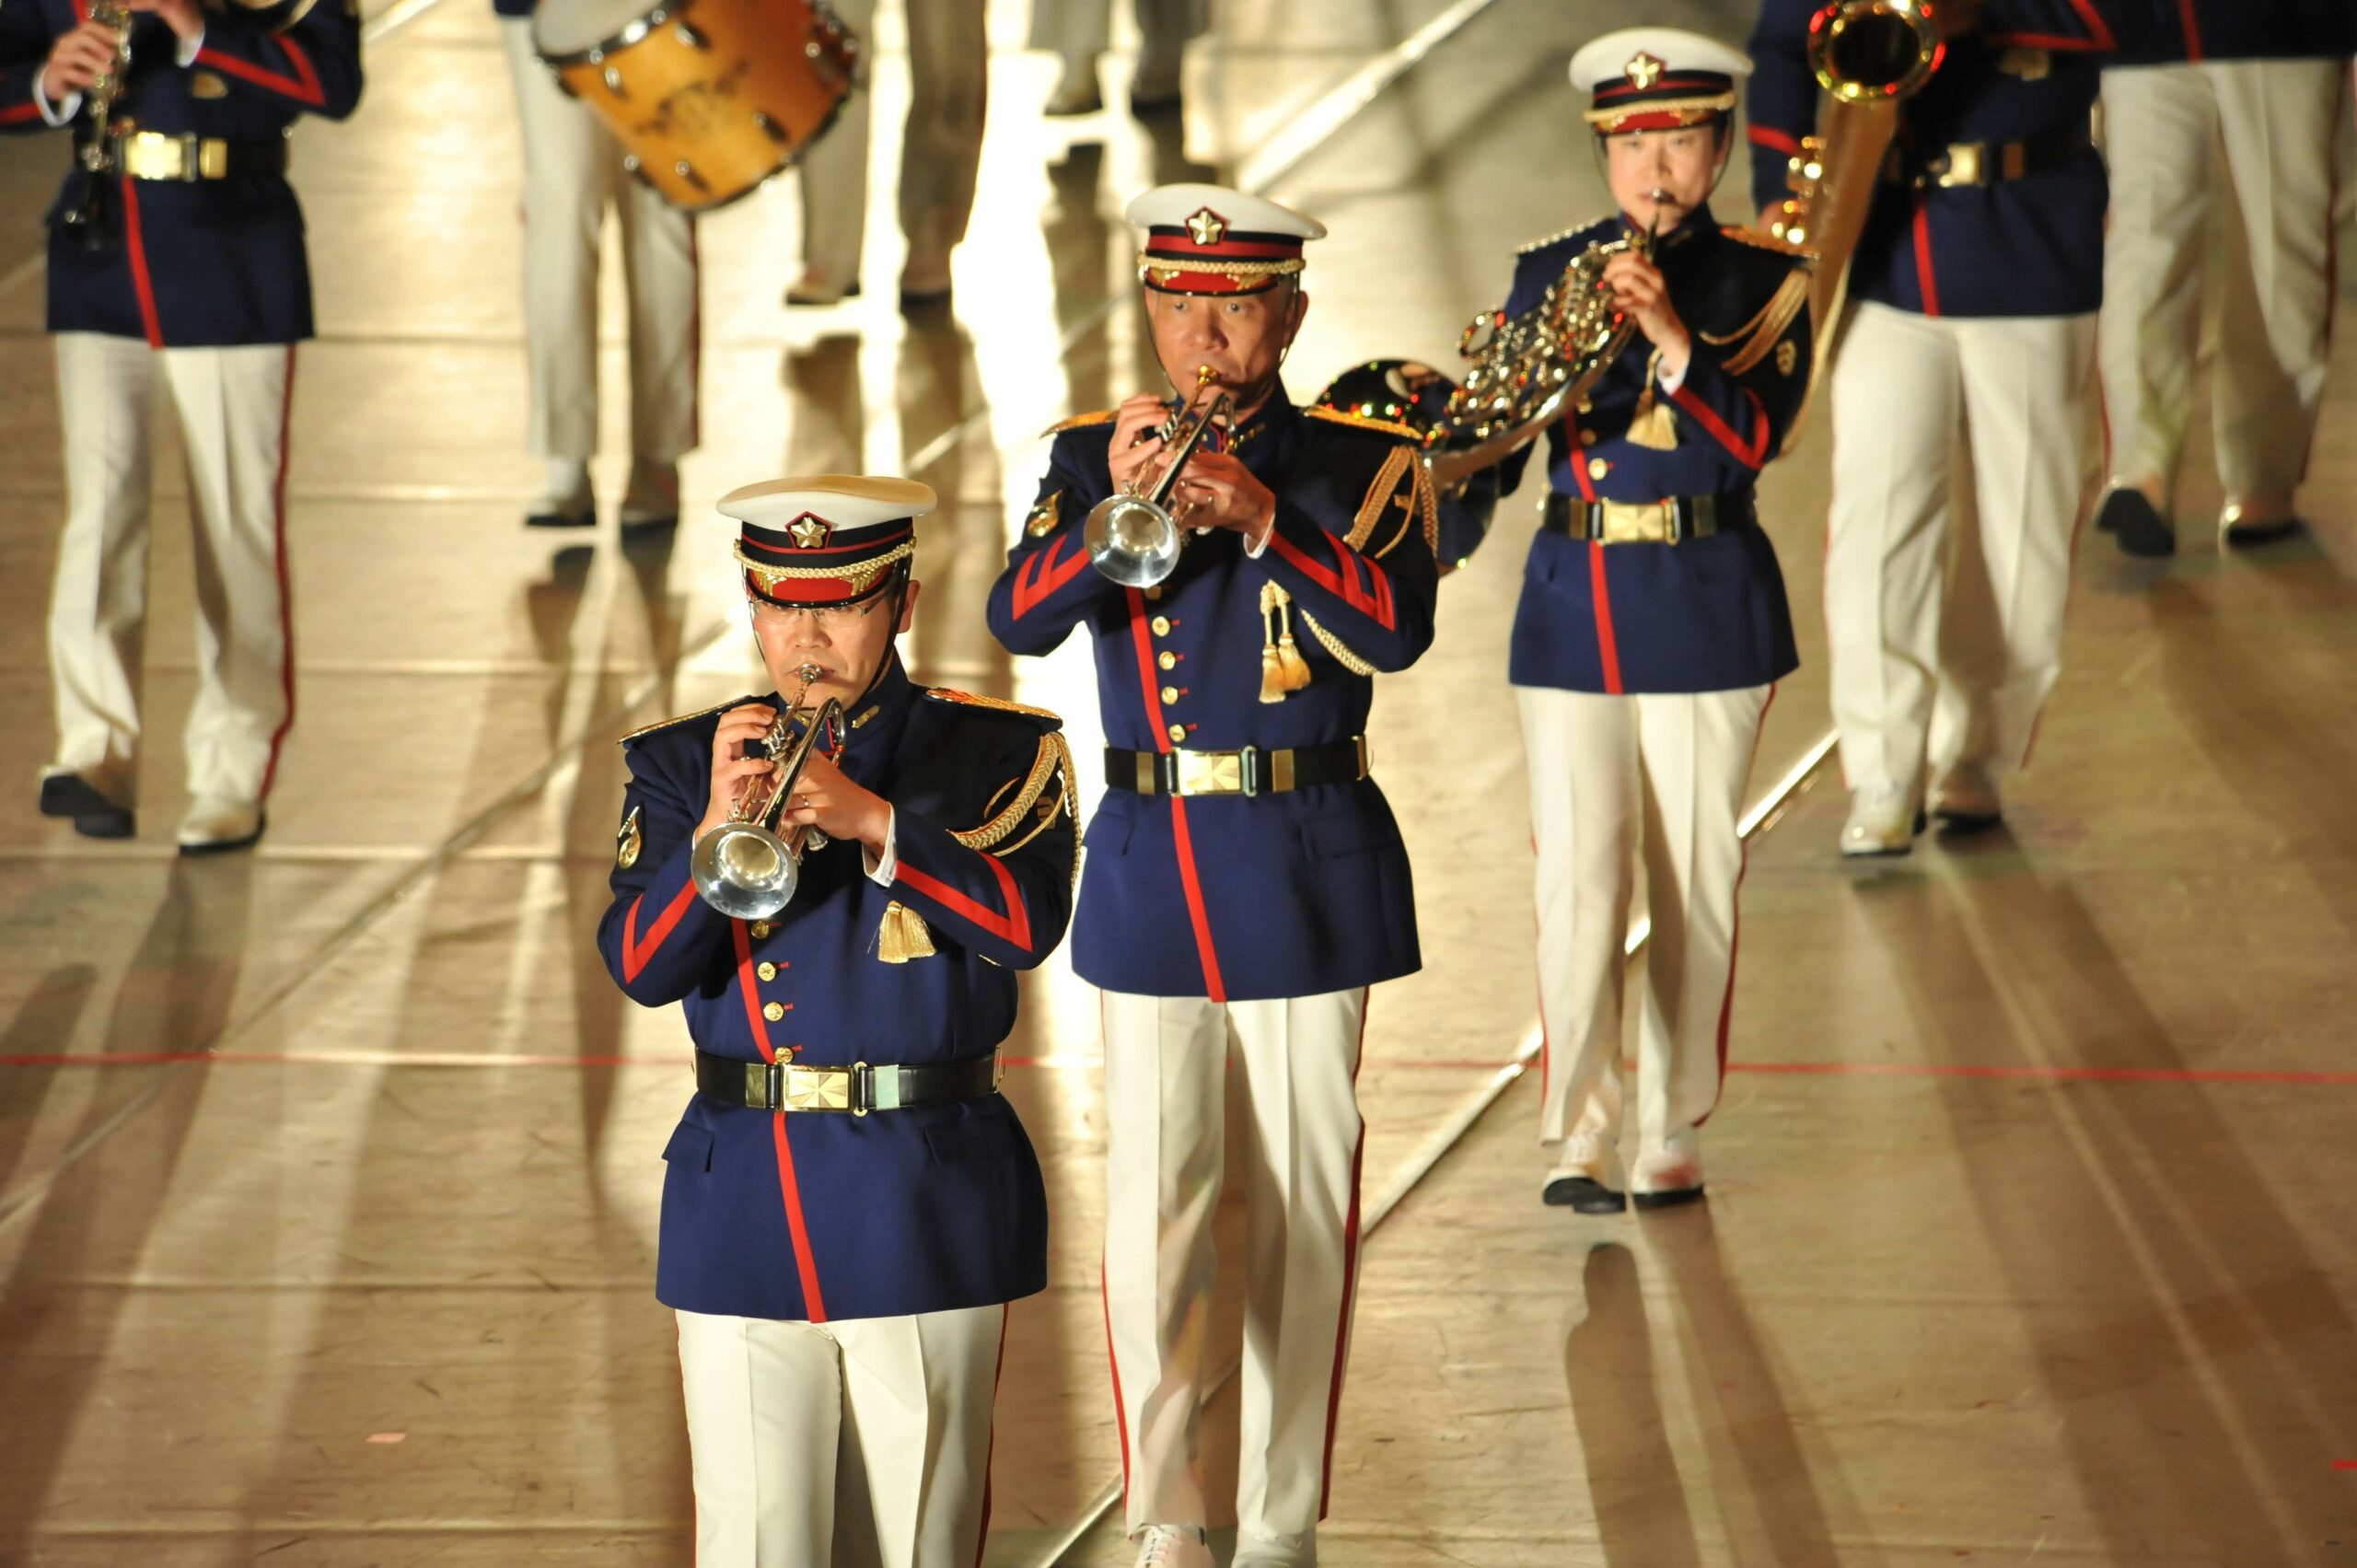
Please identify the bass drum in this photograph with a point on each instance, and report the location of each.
(709, 97)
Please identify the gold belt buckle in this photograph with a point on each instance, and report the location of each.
(817, 1088)
(1963, 165)
(1210, 773)
(146, 155)
(1639, 522)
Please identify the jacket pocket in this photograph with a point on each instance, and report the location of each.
(1331, 838)
(690, 1148)
(986, 1135)
(1107, 831)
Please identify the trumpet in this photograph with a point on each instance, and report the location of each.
(1134, 538)
(744, 868)
(85, 217)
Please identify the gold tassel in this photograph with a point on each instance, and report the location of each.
(1652, 425)
(1282, 669)
(903, 935)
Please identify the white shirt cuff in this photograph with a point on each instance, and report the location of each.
(190, 48)
(54, 114)
(1669, 383)
(1254, 547)
(882, 867)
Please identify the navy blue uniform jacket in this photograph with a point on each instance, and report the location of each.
(1705, 614)
(1223, 895)
(206, 263)
(818, 1215)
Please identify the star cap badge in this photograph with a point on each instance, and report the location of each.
(810, 532)
(1207, 227)
(1644, 71)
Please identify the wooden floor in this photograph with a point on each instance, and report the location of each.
(328, 1174)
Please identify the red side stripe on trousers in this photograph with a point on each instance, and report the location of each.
(1350, 1277)
(285, 586)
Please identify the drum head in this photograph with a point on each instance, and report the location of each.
(562, 28)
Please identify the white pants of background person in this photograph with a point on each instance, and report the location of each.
(232, 405)
(1081, 30)
(1904, 385)
(940, 148)
(860, 1444)
(1612, 777)
(2264, 136)
(1167, 1060)
(573, 170)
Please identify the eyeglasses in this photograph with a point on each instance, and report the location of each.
(830, 617)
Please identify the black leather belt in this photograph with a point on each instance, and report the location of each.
(1648, 522)
(1986, 163)
(150, 155)
(858, 1089)
(1253, 770)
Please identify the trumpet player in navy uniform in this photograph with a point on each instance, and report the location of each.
(573, 172)
(176, 262)
(1246, 882)
(1653, 625)
(850, 1205)
(2181, 136)
(1974, 288)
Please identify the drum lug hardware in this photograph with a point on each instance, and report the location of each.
(687, 171)
(812, 51)
(613, 80)
(770, 128)
(687, 35)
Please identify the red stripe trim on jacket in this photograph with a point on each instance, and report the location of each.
(1205, 954)
(1608, 645)
(636, 953)
(1145, 644)
(1038, 579)
(18, 114)
(303, 86)
(285, 590)
(141, 284)
(1782, 141)
(1926, 278)
(805, 1264)
(1375, 602)
(1578, 468)
(1751, 453)
(1015, 926)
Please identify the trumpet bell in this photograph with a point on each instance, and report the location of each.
(745, 871)
(1132, 540)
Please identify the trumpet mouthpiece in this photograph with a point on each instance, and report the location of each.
(810, 673)
(1204, 376)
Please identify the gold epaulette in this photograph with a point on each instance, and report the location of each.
(1000, 704)
(1051, 764)
(1404, 482)
(1756, 337)
(1759, 240)
(1388, 427)
(1554, 239)
(683, 718)
(1080, 422)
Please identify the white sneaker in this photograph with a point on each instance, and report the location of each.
(216, 824)
(1170, 1546)
(1967, 799)
(1884, 820)
(566, 501)
(1671, 1173)
(1275, 1551)
(653, 499)
(1587, 1179)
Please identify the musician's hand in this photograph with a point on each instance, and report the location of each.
(732, 770)
(826, 799)
(1130, 454)
(77, 60)
(1218, 492)
(1639, 288)
(182, 16)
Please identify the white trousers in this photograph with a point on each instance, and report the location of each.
(1944, 648)
(2259, 138)
(1165, 1062)
(866, 1442)
(573, 168)
(941, 142)
(232, 404)
(1084, 28)
(1612, 778)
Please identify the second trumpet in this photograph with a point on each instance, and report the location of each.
(1132, 537)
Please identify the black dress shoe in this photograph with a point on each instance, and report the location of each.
(1668, 1200)
(2140, 530)
(561, 519)
(95, 816)
(2236, 529)
(1583, 1195)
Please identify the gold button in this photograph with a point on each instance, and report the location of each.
(774, 1012)
(1166, 659)
(1155, 592)
(1588, 438)
(1161, 625)
(1178, 732)
(1587, 407)
(1171, 693)
(1598, 468)
(767, 971)
(760, 929)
